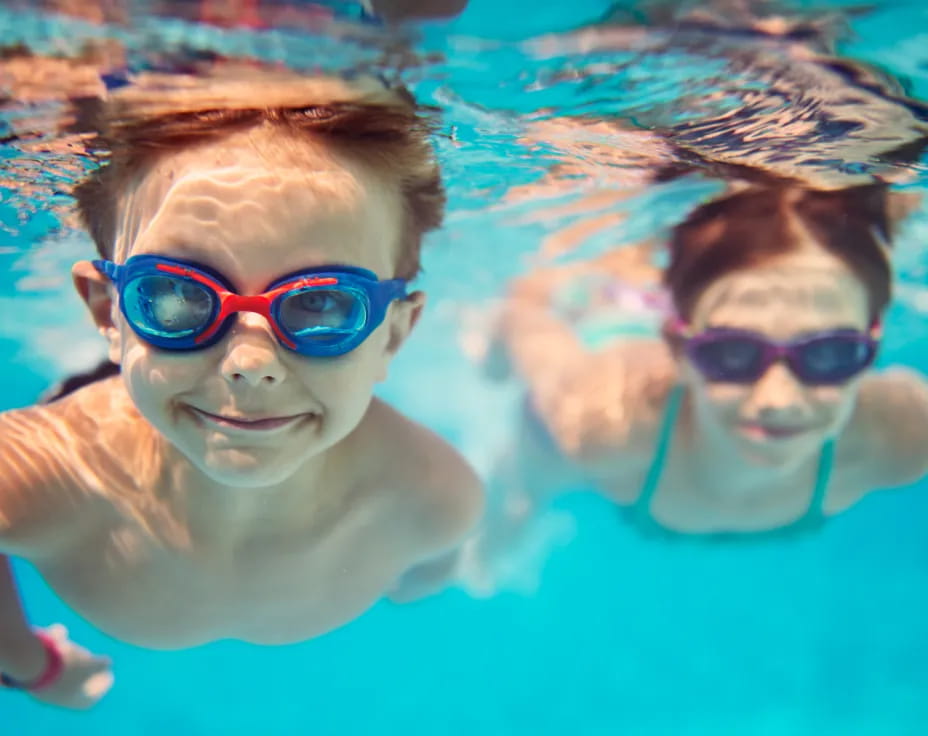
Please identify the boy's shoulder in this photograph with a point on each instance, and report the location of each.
(92, 417)
(54, 456)
(435, 488)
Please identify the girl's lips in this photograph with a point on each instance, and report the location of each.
(765, 432)
(262, 424)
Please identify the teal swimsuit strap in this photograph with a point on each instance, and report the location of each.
(656, 470)
(826, 462)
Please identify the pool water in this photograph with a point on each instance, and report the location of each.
(620, 635)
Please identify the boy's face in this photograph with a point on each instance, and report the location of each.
(254, 217)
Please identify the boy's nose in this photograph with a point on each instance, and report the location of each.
(252, 354)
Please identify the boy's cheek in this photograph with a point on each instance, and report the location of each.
(151, 369)
(113, 337)
(384, 367)
(387, 348)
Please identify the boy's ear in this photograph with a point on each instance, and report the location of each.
(899, 206)
(404, 319)
(97, 292)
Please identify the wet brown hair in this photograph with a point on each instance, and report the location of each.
(362, 120)
(746, 229)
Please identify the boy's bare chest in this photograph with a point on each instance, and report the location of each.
(271, 589)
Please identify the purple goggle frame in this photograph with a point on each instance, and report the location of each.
(826, 358)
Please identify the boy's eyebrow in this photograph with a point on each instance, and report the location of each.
(180, 252)
(175, 247)
(175, 244)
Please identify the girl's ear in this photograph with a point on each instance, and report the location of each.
(98, 294)
(671, 334)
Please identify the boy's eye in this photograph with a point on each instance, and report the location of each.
(317, 301)
(317, 308)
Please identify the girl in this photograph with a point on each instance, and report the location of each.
(756, 413)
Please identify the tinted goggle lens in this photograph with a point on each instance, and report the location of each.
(733, 359)
(743, 359)
(831, 359)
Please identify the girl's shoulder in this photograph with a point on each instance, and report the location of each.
(887, 435)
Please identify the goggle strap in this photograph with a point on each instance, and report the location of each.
(108, 269)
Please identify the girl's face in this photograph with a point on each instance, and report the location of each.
(778, 419)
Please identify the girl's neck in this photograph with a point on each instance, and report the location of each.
(719, 466)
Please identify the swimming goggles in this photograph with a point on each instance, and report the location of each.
(822, 359)
(180, 305)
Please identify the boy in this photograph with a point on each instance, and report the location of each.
(236, 480)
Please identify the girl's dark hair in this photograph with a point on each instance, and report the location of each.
(751, 227)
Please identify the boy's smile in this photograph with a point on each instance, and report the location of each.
(252, 423)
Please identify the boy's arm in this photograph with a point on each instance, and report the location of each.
(25, 476)
(447, 502)
(425, 579)
(448, 522)
(33, 482)
(38, 516)
(53, 669)
(22, 655)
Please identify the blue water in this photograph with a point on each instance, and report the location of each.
(824, 635)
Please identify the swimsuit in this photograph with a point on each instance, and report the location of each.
(640, 512)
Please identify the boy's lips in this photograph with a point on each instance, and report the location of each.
(251, 423)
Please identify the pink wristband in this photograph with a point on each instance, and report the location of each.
(54, 666)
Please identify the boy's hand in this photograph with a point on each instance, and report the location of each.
(84, 680)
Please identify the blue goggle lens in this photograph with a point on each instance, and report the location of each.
(168, 306)
(319, 313)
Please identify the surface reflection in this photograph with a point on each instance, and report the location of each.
(256, 14)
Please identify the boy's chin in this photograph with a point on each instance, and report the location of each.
(245, 469)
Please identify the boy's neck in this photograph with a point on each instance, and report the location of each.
(215, 514)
